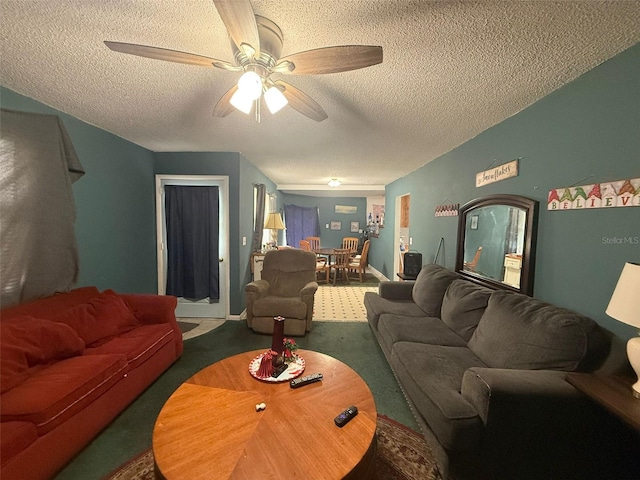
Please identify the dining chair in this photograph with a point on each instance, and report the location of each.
(342, 258)
(359, 265)
(471, 266)
(351, 243)
(322, 265)
(314, 242)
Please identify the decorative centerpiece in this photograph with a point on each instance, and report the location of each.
(281, 363)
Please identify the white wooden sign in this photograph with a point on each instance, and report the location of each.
(498, 173)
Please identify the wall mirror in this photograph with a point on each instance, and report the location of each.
(497, 242)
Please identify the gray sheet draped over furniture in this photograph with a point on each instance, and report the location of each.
(38, 164)
(192, 242)
(258, 222)
(301, 222)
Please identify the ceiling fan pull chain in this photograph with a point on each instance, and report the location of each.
(258, 102)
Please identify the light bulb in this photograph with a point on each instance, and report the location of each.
(275, 99)
(251, 85)
(334, 182)
(241, 101)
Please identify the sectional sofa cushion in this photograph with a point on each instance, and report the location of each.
(429, 288)
(70, 385)
(16, 436)
(27, 342)
(137, 345)
(431, 375)
(377, 306)
(100, 318)
(517, 331)
(397, 328)
(463, 305)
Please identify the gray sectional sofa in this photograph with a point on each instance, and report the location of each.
(484, 373)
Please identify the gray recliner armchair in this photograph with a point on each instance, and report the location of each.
(287, 289)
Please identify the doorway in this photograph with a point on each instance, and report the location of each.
(401, 240)
(202, 308)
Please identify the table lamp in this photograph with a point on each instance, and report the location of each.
(624, 306)
(274, 222)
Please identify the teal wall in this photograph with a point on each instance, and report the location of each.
(242, 175)
(585, 132)
(326, 214)
(115, 224)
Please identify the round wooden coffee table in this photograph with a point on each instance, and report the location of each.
(209, 427)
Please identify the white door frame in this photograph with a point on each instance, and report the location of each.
(222, 182)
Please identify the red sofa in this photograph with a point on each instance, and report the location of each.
(69, 364)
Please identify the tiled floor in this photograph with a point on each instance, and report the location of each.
(332, 304)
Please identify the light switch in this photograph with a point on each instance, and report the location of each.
(244, 241)
(326, 226)
(410, 240)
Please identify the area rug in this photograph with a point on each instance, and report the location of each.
(402, 455)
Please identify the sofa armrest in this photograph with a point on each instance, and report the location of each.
(259, 288)
(490, 389)
(150, 309)
(392, 290)
(309, 289)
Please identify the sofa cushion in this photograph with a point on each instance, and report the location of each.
(428, 290)
(44, 307)
(396, 328)
(55, 393)
(377, 305)
(16, 436)
(137, 345)
(287, 307)
(26, 342)
(517, 331)
(463, 305)
(102, 317)
(431, 375)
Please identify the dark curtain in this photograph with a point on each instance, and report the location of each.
(192, 242)
(301, 222)
(258, 222)
(38, 164)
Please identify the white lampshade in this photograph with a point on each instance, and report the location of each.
(334, 182)
(625, 307)
(274, 221)
(241, 102)
(275, 99)
(250, 84)
(625, 301)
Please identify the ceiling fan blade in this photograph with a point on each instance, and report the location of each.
(168, 55)
(224, 107)
(303, 103)
(238, 17)
(330, 60)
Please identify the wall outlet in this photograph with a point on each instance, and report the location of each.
(244, 241)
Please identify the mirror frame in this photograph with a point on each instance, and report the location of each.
(529, 251)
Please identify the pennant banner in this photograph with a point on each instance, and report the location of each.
(622, 193)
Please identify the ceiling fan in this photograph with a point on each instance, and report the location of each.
(256, 43)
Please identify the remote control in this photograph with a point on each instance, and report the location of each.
(344, 418)
(299, 382)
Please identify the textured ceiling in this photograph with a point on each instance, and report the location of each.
(450, 71)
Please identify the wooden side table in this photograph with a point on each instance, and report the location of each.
(612, 392)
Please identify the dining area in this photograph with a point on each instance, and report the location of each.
(338, 263)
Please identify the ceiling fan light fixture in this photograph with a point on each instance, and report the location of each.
(275, 99)
(250, 84)
(334, 182)
(241, 101)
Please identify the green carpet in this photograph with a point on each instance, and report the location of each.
(129, 434)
